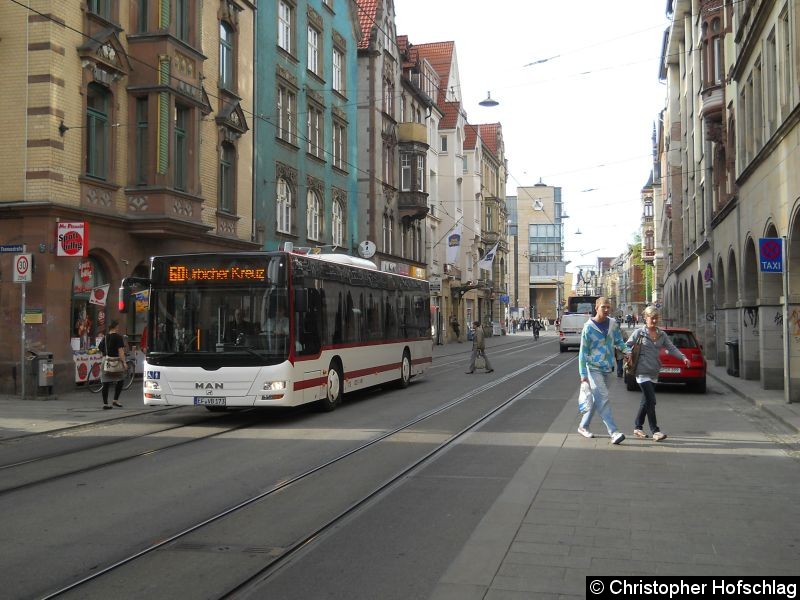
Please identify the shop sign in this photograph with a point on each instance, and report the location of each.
(389, 267)
(435, 284)
(34, 316)
(99, 295)
(72, 239)
(86, 270)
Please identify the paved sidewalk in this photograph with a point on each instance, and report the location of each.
(717, 497)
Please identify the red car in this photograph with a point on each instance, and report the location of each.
(672, 369)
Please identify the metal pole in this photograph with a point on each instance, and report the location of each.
(22, 330)
(787, 380)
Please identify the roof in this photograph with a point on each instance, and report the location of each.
(450, 112)
(367, 9)
(440, 55)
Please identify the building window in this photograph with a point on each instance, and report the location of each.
(443, 143)
(101, 8)
(387, 234)
(489, 224)
(287, 103)
(420, 187)
(141, 16)
(285, 25)
(312, 62)
(182, 20)
(142, 126)
(313, 211)
(181, 147)
(648, 208)
(226, 61)
(337, 224)
(339, 145)
(338, 71)
(316, 141)
(98, 131)
(405, 172)
(227, 177)
(284, 207)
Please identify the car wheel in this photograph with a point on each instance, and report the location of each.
(700, 386)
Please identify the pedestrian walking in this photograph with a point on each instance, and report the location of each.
(112, 345)
(650, 340)
(478, 348)
(595, 363)
(456, 327)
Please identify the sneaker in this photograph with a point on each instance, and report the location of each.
(639, 433)
(658, 436)
(617, 437)
(585, 432)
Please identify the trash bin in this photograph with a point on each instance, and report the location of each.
(733, 357)
(42, 369)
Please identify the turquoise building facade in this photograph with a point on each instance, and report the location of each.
(305, 166)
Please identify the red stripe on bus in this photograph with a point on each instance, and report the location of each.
(316, 381)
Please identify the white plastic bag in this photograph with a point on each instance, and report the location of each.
(585, 398)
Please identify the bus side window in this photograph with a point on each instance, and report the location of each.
(308, 324)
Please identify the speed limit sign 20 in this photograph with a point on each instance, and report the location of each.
(23, 268)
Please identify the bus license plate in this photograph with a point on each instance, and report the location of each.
(209, 401)
(670, 370)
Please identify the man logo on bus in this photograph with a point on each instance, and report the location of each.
(200, 385)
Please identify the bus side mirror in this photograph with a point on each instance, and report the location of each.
(301, 300)
(126, 299)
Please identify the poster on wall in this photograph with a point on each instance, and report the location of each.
(72, 239)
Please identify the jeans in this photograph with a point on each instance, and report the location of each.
(647, 407)
(601, 404)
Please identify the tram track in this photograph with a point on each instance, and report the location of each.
(189, 537)
(13, 482)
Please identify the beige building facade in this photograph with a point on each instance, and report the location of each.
(131, 122)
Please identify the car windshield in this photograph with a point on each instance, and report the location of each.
(682, 339)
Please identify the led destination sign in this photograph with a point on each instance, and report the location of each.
(185, 274)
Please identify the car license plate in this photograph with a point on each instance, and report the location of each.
(670, 370)
(209, 401)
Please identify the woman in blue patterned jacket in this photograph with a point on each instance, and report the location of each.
(599, 337)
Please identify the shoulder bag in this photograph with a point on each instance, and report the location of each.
(112, 364)
(629, 368)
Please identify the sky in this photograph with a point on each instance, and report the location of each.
(580, 117)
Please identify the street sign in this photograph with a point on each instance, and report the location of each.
(22, 268)
(11, 248)
(770, 255)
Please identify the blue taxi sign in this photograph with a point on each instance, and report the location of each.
(770, 255)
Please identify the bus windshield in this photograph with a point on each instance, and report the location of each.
(214, 324)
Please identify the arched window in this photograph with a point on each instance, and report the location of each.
(284, 207)
(227, 177)
(337, 224)
(226, 62)
(98, 130)
(313, 211)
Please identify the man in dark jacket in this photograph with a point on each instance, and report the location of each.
(478, 347)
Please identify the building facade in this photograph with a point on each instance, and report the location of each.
(128, 134)
(729, 167)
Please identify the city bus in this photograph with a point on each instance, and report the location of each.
(262, 329)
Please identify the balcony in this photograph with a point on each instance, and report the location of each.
(412, 132)
(412, 205)
(712, 102)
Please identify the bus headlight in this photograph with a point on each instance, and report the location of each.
(151, 386)
(274, 386)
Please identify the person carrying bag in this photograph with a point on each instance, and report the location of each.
(113, 348)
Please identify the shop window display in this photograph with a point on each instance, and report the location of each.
(88, 319)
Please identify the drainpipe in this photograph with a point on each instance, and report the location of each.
(371, 132)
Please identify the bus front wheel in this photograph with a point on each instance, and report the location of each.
(333, 390)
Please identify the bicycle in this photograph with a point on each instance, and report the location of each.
(95, 385)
